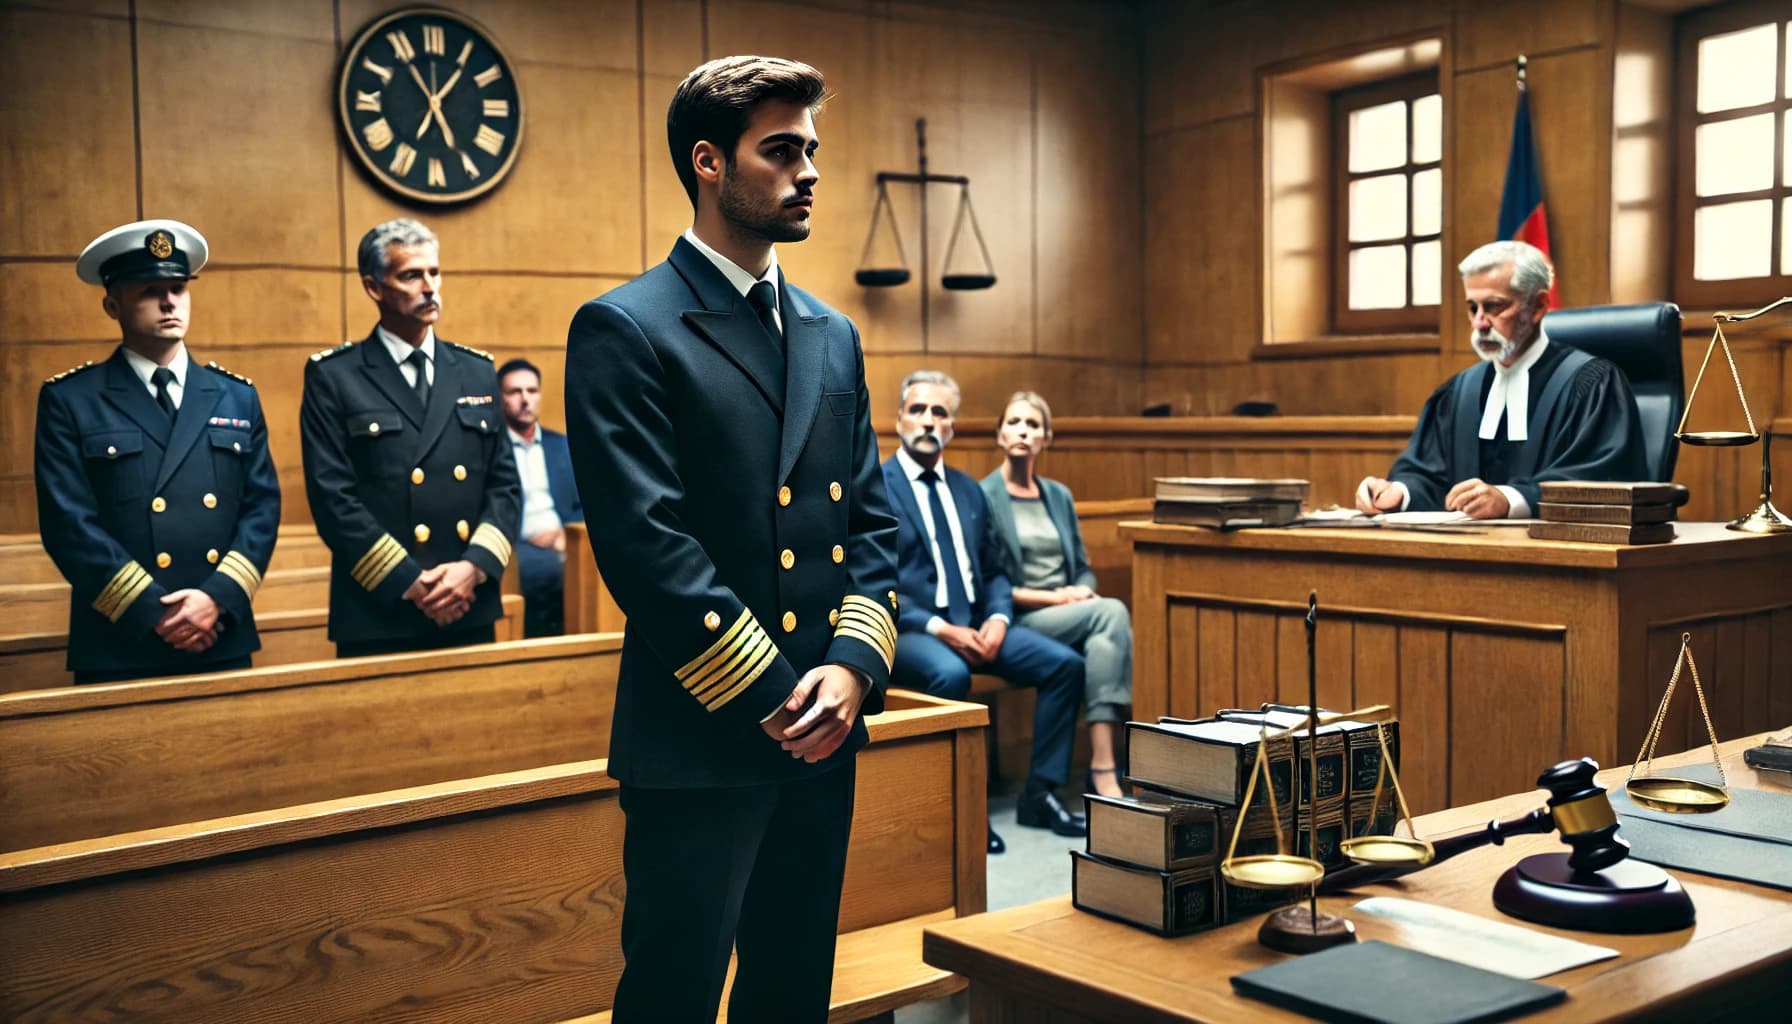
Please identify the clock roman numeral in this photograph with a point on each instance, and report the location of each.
(465, 52)
(367, 100)
(467, 164)
(437, 179)
(489, 75)
(402, 159)
(401, 45)
(434, 40)
(497, 108)
(384, 72)
(378, 134)
(489, 140)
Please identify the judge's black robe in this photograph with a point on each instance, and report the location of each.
(1583, 426)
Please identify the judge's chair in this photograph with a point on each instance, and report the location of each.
(1644, 340)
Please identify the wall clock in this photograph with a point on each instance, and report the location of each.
(430, 105)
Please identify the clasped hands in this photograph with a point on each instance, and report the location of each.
(975, 646)
(818, 715)
(445, 593)
(191, 623)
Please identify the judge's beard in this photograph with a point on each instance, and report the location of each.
(1495, 347)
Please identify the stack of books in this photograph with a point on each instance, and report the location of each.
(1153, 858)
(1606, 513)
(1227, 502)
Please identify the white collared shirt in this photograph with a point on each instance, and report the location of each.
(738, 277)
(922, 491)
(145, 367)
(401, 351)
(538, 497)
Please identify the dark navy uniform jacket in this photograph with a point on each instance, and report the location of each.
(745, 530)
(133, 506)
(396, 488)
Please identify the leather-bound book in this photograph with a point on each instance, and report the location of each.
(1154, 830)
(1600, 533)
(1165, 902)
(1211, 760)
(1593, 492)
(1616, 515)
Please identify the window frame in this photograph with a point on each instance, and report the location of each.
(1690, 30)
(1344, 320)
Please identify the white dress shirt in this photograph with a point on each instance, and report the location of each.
(923, 492)
(738, 277)
(538, 498)
(145, 367)
(401, 351)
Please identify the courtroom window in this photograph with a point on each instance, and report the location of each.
(1734, 217)
(1388, 206)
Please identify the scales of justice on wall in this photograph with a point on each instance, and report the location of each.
(1765, 518)
(1592, 887)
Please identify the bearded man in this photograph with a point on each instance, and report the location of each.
(1531, 412)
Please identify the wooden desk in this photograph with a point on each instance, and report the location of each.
(1048, 963)
(1501, 653)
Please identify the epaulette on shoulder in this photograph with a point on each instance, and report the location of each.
(318, 357)
(481, 353)
(232, 374)
(70, 372)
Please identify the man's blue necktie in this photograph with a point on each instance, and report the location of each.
(958, 603)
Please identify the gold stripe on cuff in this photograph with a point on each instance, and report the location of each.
(492, 539)
(242, 571)
(717, 678)
(874, 643)
(727, 641)
(378, 562)
(125, 586)
(745, 679)
(859, 605)
(724, 670)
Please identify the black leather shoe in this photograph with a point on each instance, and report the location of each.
(995, 843)
(1045, 811)
(1089, 779)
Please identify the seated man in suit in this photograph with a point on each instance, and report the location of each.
(550, 499)
(956, 609)
(1534, 411)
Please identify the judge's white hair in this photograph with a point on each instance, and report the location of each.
(1531, 270)
(930, 377)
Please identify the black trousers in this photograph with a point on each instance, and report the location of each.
(755, 869)
(127, 674)
(439, 640)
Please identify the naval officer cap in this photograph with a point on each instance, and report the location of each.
(147, 250)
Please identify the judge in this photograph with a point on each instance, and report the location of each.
(1531, 412)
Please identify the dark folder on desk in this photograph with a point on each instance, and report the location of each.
(1375, 983)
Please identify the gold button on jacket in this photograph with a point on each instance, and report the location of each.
(784, 496)
(460, 472)
(417, 475)
(787, 558)
(834, 617)
(789, 622)
(839, 554)
(160, 504)
(834, 490)
(164, 560)
(421, 533)
(209, 501)
(373, 428)
(712, 622)
(212, 556)
(462, 529)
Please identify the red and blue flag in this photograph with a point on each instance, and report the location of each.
(1522, 214)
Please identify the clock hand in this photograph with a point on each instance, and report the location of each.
(449, 87)
(433, 110)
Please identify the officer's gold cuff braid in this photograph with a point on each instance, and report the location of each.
(126, 586)
(730, 665)
(864, 619)
(379, 561)
(492, 539)
(241, 571)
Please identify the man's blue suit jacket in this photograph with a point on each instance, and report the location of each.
(917, 579)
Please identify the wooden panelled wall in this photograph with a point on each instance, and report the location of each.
(221, 114)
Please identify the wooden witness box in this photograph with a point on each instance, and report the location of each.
(1502, 654)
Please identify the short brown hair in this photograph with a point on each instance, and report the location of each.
(714, 102)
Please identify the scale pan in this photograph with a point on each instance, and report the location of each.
(967, 282)
(886, 278)
(1272, 871)
(1717, 438)
(1677, 796)
(1387, 850)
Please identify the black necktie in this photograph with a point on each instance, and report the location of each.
(420, 363)
(161, 379)
(958, 603)
(764, 300)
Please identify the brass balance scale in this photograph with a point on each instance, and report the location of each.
(1765, 518)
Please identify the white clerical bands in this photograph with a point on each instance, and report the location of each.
(729, 665)
(241, 571)
(126, 586)
(864, 619)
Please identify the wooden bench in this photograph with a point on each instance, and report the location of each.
(89, 761)
(36, 661)
(492, 898)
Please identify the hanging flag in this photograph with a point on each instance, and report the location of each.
(1522, 215)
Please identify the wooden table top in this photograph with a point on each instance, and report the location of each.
(1696, 543)
(1055, 954)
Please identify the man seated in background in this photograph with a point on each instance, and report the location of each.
(1532, 412)
(550, 499)
(956, 604)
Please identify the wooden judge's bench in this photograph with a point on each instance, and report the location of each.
(1501, 654)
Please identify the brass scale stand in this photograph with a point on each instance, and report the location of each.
(1593, 888)
(1765, 518)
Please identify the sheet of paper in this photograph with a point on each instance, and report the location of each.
(1332, 512)
(1496, 946)
(1424, 518)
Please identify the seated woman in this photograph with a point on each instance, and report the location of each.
(1054, 590)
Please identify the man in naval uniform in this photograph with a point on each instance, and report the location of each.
(156, 495)
(721, 413)
(410, 476)
(1532, 411)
